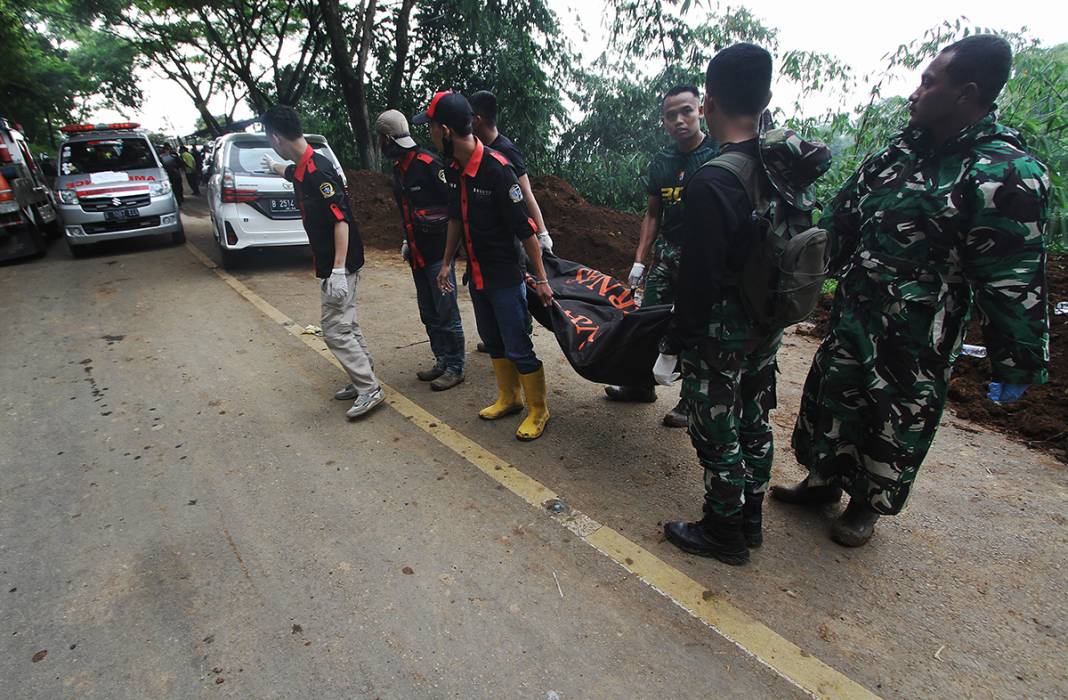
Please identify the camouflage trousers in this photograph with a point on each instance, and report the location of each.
(871, 406)
(730, 393)
(660, 283)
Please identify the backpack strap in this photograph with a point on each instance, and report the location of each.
(748, 170)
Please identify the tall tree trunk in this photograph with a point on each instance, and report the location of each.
(400, 65)
(351, 81)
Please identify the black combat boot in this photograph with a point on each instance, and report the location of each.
(752, 519)
(678, 417)
(804, 495)
(716, 536)
(855, 526)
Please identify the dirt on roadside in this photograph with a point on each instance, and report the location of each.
(1040, 418)
(601, 238)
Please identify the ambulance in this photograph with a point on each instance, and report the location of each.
(27, 211)
(111, 185)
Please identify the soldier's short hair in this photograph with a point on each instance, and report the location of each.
(284, 121)
(739, 78)
(484, 104)
(680, 90)
(983, 59)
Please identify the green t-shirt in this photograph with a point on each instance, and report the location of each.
(668, 174)
(189, 160)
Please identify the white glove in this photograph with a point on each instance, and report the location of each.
(545, 241)
(406, 252)
(337, 285)
(636, 273)
(665, 370)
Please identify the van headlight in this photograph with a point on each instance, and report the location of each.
(68, 196)
(158, 189)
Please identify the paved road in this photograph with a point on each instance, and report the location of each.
(184, 512)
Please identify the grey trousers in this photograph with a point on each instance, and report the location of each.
(344, 338)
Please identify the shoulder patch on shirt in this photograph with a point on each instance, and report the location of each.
(441, 175)
(516, 194)
(327, 190)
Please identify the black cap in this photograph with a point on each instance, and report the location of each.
(449, 109)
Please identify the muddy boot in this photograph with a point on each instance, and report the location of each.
(753, 519)
(429, 375)
(509, 400)
(802, 494)
(855, 526)
(677, 417)
(716, 536)
(637, 394)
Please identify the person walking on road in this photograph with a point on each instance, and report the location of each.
(337, 250)
(951, 213)
(487, 210)
(728, 357)
(669, 172)
(173, 166)
(422, 195)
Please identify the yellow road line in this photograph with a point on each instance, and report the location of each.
(754, 638)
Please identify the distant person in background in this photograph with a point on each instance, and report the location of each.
(669, 171)
(945, 222)
(173, 166)
(191, 174)
(422, 193)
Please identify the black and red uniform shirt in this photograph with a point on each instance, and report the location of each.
(321, 198)
(422, 194)
(503, 145)
(487, 201)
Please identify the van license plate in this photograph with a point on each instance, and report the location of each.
(121, 214)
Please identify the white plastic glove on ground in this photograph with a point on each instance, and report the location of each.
(337, 286)
(665, 371)
(636, 273)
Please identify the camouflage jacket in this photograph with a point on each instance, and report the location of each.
(918, 234)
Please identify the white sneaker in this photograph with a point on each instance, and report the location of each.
(365, 403)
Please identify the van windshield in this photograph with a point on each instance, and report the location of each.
(246, 157)
(103, 155)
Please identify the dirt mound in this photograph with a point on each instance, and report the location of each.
(602, 238)
(595, 236)
(371, 199)
(1041, 418)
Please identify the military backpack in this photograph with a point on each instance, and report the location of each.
(781, 279)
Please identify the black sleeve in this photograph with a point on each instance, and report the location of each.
(701, 269)
(290, 169)
(509, 198)
(439, 183)
(329, 191)
(516, 158)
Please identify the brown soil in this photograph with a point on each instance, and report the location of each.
(1040, 418)
(582, 232)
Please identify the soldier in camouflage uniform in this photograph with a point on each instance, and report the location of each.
(952, 212)
(727, 358)
(663, 222)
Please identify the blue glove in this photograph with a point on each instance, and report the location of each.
(1006, 393)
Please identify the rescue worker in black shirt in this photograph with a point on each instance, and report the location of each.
(337, 251)
(488, 212)
(422, 195)
(484, 105)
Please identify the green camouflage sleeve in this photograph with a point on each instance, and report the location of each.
(841, 219)
(1004, 260)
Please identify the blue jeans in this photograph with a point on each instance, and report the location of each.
(440, 315)
(501, 317)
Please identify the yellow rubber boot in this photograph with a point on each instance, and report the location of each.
(534, 387)
(508, 399)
